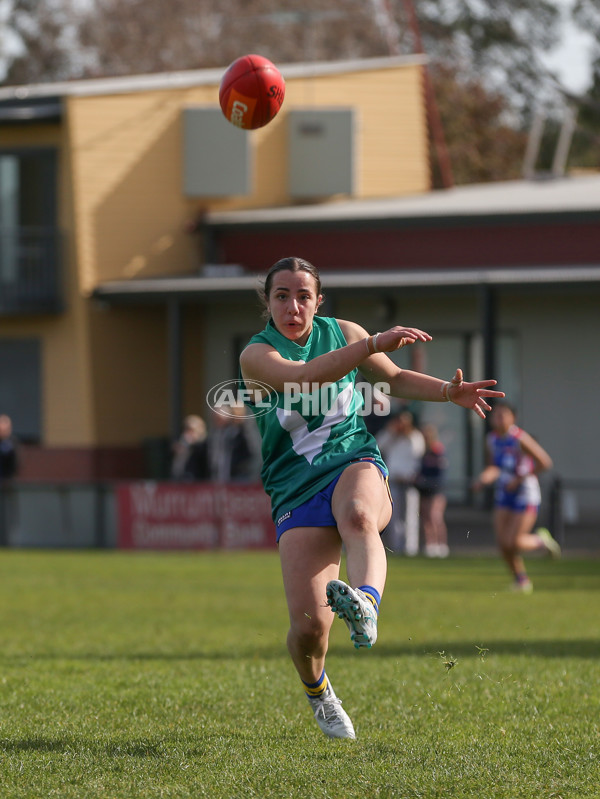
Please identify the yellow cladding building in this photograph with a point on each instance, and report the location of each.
(108, 180)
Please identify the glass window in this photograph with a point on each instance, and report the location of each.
(462, 433)
(20, 386)
(27, 204)
(9, 216)
(452, 423)
(28, 230)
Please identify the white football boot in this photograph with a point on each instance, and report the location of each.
(330, 716)
(356, 610)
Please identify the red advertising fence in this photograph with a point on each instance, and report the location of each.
(193, 516)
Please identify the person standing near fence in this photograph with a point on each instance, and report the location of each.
(514, 459)
(402, 446)
(322, 469)
(190, 451)
(232, 455)
(8, 449)
(8, 470)
(430, 484)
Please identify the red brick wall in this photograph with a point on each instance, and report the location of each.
(79, 464)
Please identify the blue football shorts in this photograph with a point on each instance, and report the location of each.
(316, 511)
(515, 502)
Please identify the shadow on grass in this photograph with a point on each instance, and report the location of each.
(39, 743)
(576, 648)
(158, 748)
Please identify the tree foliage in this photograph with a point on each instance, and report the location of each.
(122, 37)
(586, 14)
(498, 43)
(586, 143)
(482, 146)
(585, 151)
(485, 57)
(47, 33)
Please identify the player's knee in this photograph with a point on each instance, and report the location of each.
(308, 632)
(358, 516)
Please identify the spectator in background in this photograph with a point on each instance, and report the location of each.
(190, 451)
(380, 405)
(402, 446)
(8, 470)
(232, 454)
(430, 484)
(8, 449)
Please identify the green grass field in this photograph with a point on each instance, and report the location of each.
(166, 675)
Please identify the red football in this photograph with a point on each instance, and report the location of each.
(251, 92)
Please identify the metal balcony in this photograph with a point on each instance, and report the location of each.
(30, 271)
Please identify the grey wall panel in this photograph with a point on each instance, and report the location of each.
(321, 151)
(216, 155)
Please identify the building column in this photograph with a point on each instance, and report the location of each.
(175, 361)
(488, 311)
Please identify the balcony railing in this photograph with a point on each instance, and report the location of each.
(30, 270)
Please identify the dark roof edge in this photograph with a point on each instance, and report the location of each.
(159, 289)
(388, 220)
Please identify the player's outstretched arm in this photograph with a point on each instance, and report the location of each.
(406, 384)
(261, 362)
(471, 395)
(542, 459)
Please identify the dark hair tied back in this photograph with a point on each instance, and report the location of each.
(291, 264)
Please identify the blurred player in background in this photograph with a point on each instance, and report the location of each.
(322, 469)
(514, 461)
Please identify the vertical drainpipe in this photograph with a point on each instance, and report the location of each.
(174, 360)
(488, 314)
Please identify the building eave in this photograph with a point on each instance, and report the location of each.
(503, 200)
(200, 77)
(209, 289)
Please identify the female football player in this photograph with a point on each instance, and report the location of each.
(321, 468)
(514, 461)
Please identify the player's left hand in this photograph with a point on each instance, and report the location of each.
(472, 395)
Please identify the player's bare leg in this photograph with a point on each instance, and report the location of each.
(513, 533)
(434, 525)
(310, 558)
(362, 508)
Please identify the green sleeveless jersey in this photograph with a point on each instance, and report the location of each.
(311, 432)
